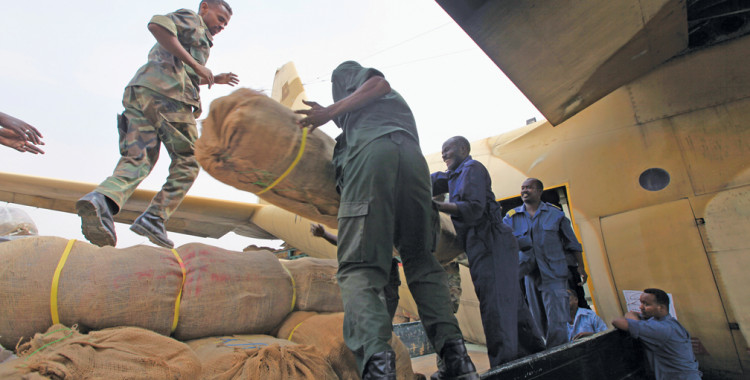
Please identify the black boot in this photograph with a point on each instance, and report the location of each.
(454, 362)
(152, 227)
(97, 223)
(381, 365)
(441, 370)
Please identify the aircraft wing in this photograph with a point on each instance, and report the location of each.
(565, 55)
(197, 216)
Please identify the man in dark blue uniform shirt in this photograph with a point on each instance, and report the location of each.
(547, 239)
(492, 252)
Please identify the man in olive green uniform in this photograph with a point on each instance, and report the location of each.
(161, 104)
(385, 202)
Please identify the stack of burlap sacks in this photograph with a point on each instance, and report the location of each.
(121, 303)
(249, 140)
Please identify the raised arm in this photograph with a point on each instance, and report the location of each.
(317, 115)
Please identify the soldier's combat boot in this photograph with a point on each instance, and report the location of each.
(152, 227)
(456, 363)
(381, 365)
(97, 223)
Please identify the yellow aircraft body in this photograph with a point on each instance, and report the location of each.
(647, 143)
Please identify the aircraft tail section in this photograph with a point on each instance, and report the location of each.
(287, 87)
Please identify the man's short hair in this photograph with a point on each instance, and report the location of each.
(536, 182)
(217, 2)
(461, 142)
(661, 296)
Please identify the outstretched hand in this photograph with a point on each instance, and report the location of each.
(317, 230)
(14, 140)
(22, 129)
(316, 116)
(229, 78)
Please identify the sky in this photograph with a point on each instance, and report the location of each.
(64, 65)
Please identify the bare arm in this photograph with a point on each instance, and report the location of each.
(318, 230)
(317, 115)
(170, 42)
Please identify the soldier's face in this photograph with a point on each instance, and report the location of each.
(215, 16)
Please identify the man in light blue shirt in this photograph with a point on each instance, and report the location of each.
(546, 238)
(583, 322)
(668, 346)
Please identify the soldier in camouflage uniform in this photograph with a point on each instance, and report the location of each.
(161, 104)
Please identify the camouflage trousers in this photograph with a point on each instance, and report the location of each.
(149, 120)
(454, 283)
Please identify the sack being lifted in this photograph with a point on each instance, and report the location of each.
(249, 140)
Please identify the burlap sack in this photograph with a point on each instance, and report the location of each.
(116, 353)
(285, 328)
(259, 357)
(97, 288)
(224, 293)
(325, 332)
(230, 292)
(249, 140)
(315, 283)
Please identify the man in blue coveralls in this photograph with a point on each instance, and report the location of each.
(668, 346)
(492, 252)
(385, 202)
(546, 237)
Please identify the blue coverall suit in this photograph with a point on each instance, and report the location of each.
(545, 266)
(493, 261)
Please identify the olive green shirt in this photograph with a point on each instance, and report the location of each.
(167, 74)
(385, 115)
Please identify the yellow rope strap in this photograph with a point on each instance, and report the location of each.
(294, 163)
(179, 295)
(293, 330)
(294, 287)
(56, 281)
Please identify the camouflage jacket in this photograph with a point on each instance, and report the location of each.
(167, 74)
